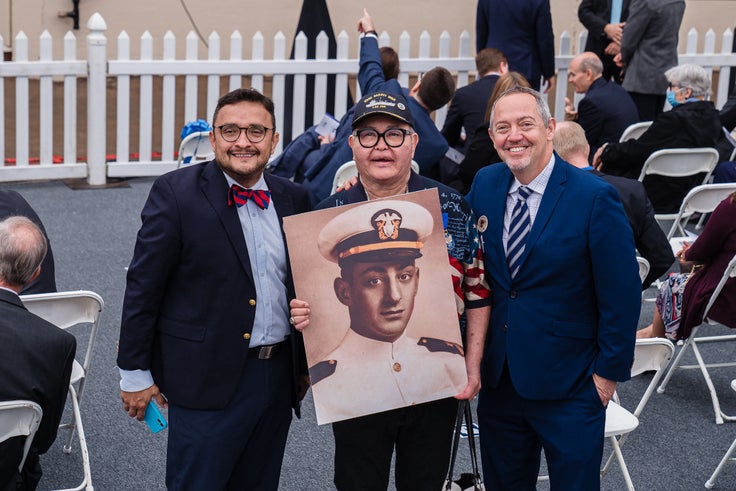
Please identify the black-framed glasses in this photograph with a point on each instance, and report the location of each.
(255, 133)
(671, 86)
(394, 137)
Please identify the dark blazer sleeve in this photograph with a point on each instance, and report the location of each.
(370, 73)
(627, 158)
(453, 121)
(157, 252)
(481, 25)
(590, 15)
(545, 39)
(53, 407)
(650, 239)
(592, 119)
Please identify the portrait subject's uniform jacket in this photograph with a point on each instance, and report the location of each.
(573, 307)
(190, 299)
(365, 376)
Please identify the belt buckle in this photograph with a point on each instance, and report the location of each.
(266, 352)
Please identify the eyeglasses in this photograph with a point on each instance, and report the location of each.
(394, 137)
(671, 86)
(255, 133)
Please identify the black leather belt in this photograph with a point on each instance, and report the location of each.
(265, 352)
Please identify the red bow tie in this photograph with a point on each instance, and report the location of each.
(239, 195)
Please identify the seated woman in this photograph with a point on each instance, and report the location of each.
(693, 122)
(683, 297)
(480, 149)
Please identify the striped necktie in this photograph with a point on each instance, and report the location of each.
(518, 231)
(239, 195)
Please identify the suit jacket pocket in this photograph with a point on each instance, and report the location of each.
(182, 330)
(579, 330)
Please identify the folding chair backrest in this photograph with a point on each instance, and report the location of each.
(650, 354)
(634, 131)
(20, 418)
(195, 147)
(343, 173)
(700, 199)
(680, 162)
(67, 309)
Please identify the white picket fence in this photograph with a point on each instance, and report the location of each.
(264, 74)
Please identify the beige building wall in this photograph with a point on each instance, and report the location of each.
(271, 16)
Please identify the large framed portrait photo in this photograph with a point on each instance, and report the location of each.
(384, 329)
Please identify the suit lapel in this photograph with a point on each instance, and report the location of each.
(214, 188)
(281, 199)
(552, 193)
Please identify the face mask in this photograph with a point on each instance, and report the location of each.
(671, 98)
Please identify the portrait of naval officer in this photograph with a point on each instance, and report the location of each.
(377, 365)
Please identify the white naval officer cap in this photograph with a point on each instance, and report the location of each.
(376, 231)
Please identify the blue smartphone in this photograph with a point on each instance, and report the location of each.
(154, 419)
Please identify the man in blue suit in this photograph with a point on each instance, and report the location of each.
(522, 30)
(205, 316)
(606, 110)
(565, 308)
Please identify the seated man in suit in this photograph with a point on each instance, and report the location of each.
(468, 105)
(650, 240)
(35, 356)
(606, 110)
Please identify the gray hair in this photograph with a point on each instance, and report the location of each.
(690, 76)
(590, 61)
(542, 106)
(22, 248)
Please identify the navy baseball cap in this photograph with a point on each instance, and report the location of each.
(393, 105)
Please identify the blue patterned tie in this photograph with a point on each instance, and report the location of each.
(518, 231)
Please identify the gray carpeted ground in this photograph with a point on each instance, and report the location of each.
(676, 447)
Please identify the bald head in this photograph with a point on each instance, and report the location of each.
(570, 143)
(585, 68)
(22, 248)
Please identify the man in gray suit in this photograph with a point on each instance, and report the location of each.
(648, 49)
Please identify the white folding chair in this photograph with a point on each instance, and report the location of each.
(701, 199)
(693, 341)
(634, 131)
(65, 310)
(20, 418)
(343, 173)
(349, 169)
(726, 457)
(194, 148)
(679, 162)
(649, 355)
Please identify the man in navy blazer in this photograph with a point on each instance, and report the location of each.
(564, 313)
(606, 110)
(205, 316)
(468, 107)
(522, 29)
(605, 26)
